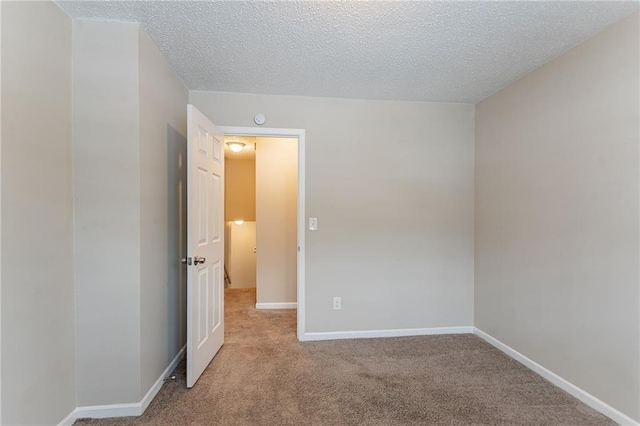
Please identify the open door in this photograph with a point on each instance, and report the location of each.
(205, 243)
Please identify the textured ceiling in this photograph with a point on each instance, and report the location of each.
(422, 51)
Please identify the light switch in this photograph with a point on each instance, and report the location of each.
(313, 224)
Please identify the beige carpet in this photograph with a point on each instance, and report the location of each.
(263, 376)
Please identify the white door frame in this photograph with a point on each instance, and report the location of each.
(288, 133)
(0, 222)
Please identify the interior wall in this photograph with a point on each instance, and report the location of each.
(107, 150)
(391, 184)
(276, 219)
(38, 347)
(240, 190)
(557, 231)
(241, 263)
(130, 211)
(163, 227)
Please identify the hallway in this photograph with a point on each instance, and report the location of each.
(264, 376)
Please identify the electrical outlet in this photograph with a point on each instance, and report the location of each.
(313, 224)
(337, 303)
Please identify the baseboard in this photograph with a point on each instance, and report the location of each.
(371, 334)
(132, 409)
(106, 411)
(70, 419)
(158, 384)
(281, 305)
(563, 384)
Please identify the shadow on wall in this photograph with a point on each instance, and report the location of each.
(177, 236)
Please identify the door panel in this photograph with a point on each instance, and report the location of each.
(205, 243)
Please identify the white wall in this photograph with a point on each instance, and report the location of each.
(392, 186)
(163, 227)
(38, 349)
(130, 218)
(557, 243)
(106, 143)
(276, 219)
(240, 204)
(241, 263)
(239, 189)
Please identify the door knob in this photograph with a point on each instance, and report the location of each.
(199, 260)
(186, 261)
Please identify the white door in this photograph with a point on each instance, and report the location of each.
(205, 243)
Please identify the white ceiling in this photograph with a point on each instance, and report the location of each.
(421, 51)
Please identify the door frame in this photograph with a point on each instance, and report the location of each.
(288, 133)
(1, 221)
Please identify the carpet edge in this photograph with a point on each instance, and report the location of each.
(573, 390)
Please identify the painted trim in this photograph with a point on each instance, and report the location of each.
(107, 411)
(300, 134)
(560, 382)
(302, 220)
(1, 208)
(70, 419)
(151, 393)
(282, 305)
(372, 334)
(131, 409)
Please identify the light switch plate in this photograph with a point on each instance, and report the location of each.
(337, 303)
(313, 224)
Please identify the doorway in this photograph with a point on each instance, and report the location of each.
(274, 207)
(206, 229)
(240, 212)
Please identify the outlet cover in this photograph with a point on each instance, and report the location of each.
(337, 303)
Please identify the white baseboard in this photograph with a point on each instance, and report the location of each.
(106, 411)
(70, 419)
(132, 409)
(158, 384)
(281, 305)
(371, 334)
(563, 384)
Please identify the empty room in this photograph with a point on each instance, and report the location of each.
(319, 213)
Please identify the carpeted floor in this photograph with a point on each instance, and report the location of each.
(264, 376)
